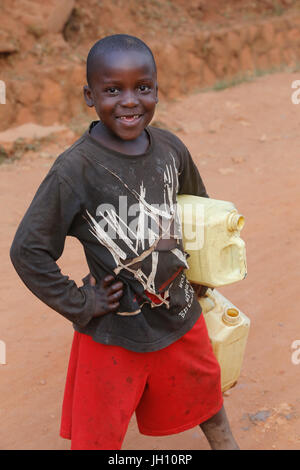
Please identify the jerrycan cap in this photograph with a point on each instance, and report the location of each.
(235, 221)
(231, 316)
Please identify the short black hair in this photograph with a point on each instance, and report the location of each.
(115, 42)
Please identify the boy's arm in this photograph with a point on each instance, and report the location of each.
(190, 181)
(39, 242)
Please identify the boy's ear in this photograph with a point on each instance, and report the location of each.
(88, 96)
(156, 94)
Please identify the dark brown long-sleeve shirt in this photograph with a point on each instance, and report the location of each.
(120, 208)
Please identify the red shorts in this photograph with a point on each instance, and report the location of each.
(170, 390)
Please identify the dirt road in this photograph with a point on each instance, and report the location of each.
(245, 143)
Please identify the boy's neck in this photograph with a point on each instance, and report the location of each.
(128, 147)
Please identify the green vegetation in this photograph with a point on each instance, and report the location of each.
(250, 76)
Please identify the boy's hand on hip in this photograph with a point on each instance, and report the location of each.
(108, 293)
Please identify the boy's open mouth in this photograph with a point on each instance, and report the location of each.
(129, 118)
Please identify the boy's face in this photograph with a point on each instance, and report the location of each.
(124, 92)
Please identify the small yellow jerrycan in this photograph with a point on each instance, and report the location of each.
(211, 236)
(228, 330)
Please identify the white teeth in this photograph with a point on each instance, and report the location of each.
(130, 117)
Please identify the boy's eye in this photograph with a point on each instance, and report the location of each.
(144, 88)
(112, 90)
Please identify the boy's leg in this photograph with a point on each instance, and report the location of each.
(104, 385)
(184, 389)
(218, 433)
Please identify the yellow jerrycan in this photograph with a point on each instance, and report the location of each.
(228, 330)
(211, 236)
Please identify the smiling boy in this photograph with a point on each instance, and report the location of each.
(140, 342)
(124, 96)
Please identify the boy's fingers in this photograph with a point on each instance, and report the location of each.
(115, 287)
(92, 280)
(107, 283)
(114, 306)
(107, 280)
(115, 296)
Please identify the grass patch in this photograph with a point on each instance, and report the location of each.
(3, 155)
(250, 77)
(228, 83)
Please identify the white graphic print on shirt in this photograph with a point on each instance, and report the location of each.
(153, 225)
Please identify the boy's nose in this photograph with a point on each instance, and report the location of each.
(129, 99)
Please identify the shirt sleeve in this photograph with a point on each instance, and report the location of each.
(190, 181)
(39, 242)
